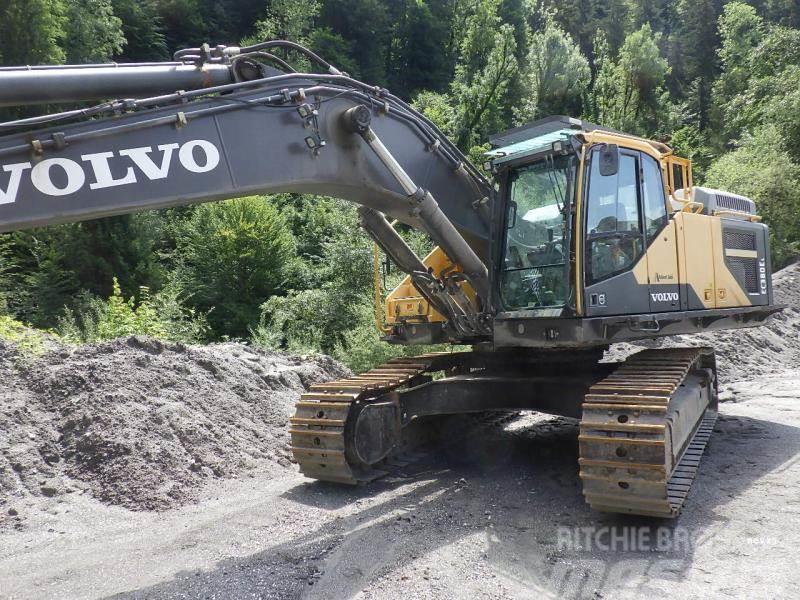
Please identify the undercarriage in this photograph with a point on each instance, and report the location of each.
(644, 422)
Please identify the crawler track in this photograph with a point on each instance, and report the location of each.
(644, 430)
(320, 429)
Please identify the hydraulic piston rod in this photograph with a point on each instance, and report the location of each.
(441, 229)
(75, 83)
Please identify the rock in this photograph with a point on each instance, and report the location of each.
(13, 512)
(48, 490)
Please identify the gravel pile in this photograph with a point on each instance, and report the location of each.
(748, 353)
(141, 423)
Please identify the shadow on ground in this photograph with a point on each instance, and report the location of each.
(517, 489)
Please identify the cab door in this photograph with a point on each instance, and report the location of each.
(615, 276)
(661, 240)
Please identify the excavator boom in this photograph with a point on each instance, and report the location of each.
(228, 136)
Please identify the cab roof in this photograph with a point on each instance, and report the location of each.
(540, 135)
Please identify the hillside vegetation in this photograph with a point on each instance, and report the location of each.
(719, 80)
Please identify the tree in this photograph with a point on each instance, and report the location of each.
(143, 31)
(415, 56)
(557, 73)
(337, 286)
(740, 30)
(486, 66)
(439, 108)
(286, 20)
(697, 39)
(365, 24)
(334, 48)
(186, 23)
(232, 256)
(93, 32)
(582, 19)
(56, 263)
(31, 31)
(629, 92)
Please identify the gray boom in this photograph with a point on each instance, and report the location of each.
(322, 134)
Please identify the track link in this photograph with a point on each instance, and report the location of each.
(644, 430)
(320, 436)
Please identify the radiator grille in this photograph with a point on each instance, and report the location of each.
(739, 240)
(746, 272)
(733, 203)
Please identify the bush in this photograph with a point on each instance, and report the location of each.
(162, 316)
(29, 342)
(232, 256)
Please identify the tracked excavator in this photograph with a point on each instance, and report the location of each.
(572, 238)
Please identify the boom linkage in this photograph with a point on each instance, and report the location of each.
(243, 127)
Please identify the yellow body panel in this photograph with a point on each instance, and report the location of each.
(659, 264)
(696, 254)
(702, 264)
(405, 304)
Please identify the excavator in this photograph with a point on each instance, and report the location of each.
(572, 237)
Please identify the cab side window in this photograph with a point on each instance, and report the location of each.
(613, 199)
(655, 203)
(613, 223)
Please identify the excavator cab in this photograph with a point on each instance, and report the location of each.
(601, 237)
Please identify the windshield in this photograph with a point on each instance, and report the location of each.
(534, 270)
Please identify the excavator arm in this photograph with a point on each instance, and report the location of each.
(223, 123)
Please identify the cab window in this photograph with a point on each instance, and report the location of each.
(655, 202)
(534, 270)
(613, 220)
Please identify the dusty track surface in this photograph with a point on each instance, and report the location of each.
(502, 526)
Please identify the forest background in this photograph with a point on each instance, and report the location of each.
(719, 81)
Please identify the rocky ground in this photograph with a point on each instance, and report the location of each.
(137, 469)
(141, 423)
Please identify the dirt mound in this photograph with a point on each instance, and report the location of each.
(748, 353)
(142, 423)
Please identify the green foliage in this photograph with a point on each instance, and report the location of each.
(695, 40)
(29, 342)
(52, 265)
(142, 29)
(162, 316)
(93, 31)
(439, 108)
(557, 73)
(285, 20)
(486, 66)
(741, 30)
(334, 48)
(321, 315)
(762, 170)
(31, 31)
(629, 92)
(233, 256)
(689, 142)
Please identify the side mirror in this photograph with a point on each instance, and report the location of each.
(609, 160)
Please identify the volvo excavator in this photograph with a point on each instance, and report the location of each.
(571, 238)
